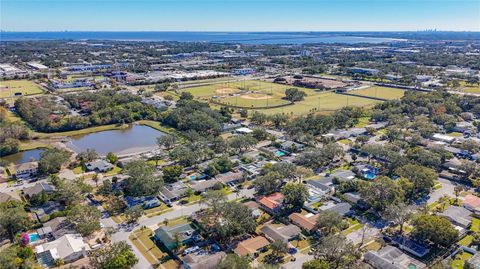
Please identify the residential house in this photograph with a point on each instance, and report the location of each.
(26, 170)
(166, 235)
(343, 209)
(254, 208)
(443, 138)
(230, 178)
(305, 222)
(472, 203)
(459, 216)
(291, 146)
(56, 228)
(284, 233)
(7, 197)
(173, 192)
(205, 261)
(47, 209)
(243, 130)
(37, 189)
(272, 203)
(68, 248)
(252, 246)
(343, 175)
(146, 202)
(204, 185)
(99, 165)
(390, 257)
(474, 261)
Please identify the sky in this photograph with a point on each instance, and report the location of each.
(239, 15)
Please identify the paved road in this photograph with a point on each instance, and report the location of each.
(152, 223)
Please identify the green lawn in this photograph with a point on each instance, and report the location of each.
(381, 92)
(460, 260)
(8, 88)
(469, 87)
(315, 101)
(143, 242)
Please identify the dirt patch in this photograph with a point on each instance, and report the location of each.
(255, 96)
(226, 90)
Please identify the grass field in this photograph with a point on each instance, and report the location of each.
(8, 88)
(143, 242)
(469, 88)
(262, 92)
(381, 92)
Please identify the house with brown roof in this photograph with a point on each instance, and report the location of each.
(252, 246)
(272, 203)
(26, 170)
(472, 203)
(305, 222)
(284, 233)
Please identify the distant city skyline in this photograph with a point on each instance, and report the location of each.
(236, 15)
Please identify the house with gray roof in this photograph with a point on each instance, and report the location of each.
(37, 189)
(284, 233)
(202, 261)
(166, 235)
(458, 215)
(99, 165)
(204, 185)
(390, 257)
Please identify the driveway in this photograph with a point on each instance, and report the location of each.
(448, 188)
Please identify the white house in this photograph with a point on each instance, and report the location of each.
(68, 248)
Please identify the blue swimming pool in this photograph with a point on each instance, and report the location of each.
(279, 153)
(369, 175)
(33, 237)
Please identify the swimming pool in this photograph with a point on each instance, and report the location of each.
(279, 153)
(369, 175)
(33, 237)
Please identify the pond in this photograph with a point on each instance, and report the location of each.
(137, 138)
(24, 156)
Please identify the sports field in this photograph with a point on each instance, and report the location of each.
(475, 88)
(254, 94)
(381, 92)
(9, 88)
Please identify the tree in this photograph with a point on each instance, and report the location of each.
(294, 94)
(279, 248)
(133, 213)
(242, 143)
(51, 160)
(268, 183)
(259, 118)
(315, 264)
(112, 158)
(337, 252)
(295, 195)
(70, 192)
(118, 255)
(141, 180)
(13, 219)
(172, 173)
(382, 192)
(87, 156)
(235, 220)
(423, 178)
(167, 141)
(434, 229)
(114, 205)
(398, 214)
(279, 120)
(234, 261)
(329, 221)
(86, 219)
(215, 201)
(458, 189)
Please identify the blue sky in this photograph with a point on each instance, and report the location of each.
(239, 15)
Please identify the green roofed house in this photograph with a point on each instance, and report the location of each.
(166, 235)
